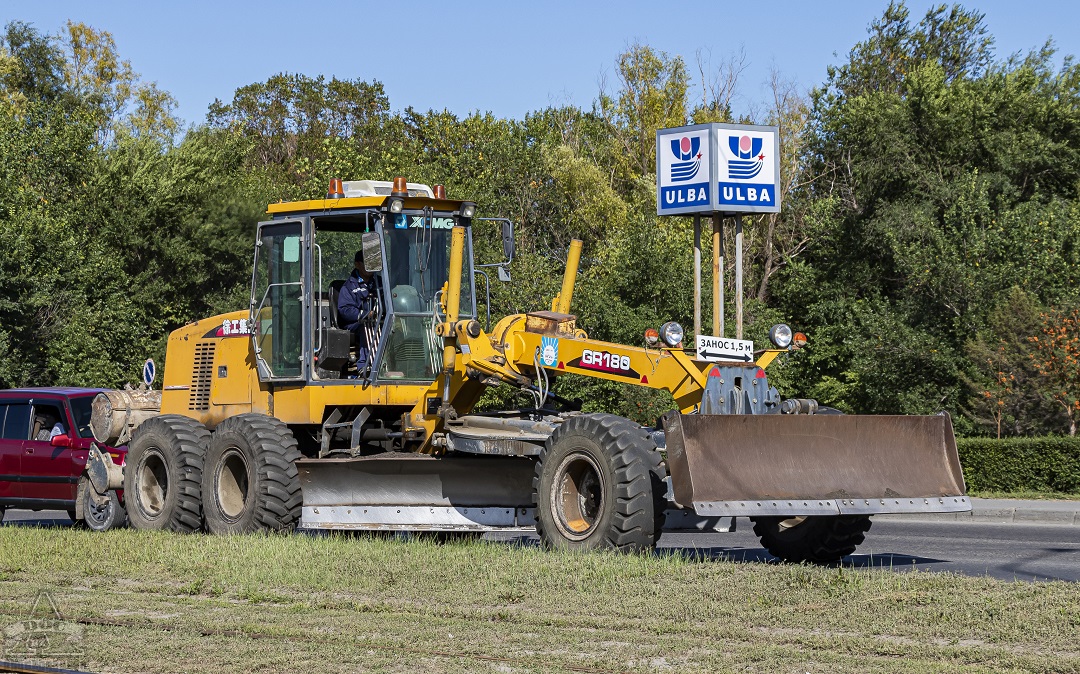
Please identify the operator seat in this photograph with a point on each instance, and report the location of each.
(335, 355)
(335, 290)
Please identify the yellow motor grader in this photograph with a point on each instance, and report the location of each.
(268, 418)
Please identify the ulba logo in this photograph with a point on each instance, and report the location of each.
(748, 157)
(688, 151)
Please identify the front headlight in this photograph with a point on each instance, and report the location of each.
(780, 335)
(672, 333)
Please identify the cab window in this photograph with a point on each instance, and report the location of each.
(278, 291)
(16, 421)
(47, 416)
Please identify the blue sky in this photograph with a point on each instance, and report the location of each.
(509, 58)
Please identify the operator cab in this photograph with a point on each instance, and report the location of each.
(304, 258)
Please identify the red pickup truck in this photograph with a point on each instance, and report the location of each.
(44, 442)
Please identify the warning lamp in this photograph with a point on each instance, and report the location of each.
(398, 194)
(336, 190)
(798, 340)
(401, 188)
(651, 336)
(439, 192)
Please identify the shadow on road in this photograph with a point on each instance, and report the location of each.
(892, 561)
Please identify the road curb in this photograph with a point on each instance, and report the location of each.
(1005, 511)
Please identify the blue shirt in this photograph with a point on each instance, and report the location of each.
(356, 301)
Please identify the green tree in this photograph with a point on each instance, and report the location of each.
(1006, 388)
(293, 122)
(651, 96)
(946, 179)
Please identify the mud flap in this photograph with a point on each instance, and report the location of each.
(774, 464)
(412, 492)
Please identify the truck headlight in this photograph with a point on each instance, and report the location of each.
(672, 333)
(780, 335)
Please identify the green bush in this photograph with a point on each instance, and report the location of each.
(1050, 464)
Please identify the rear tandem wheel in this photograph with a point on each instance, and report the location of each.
(250, 482)
(163, 474)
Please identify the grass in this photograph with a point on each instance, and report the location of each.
(152, 602)
(1035, 495)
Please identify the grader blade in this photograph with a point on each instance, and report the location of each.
(411, 492)
(747, 465)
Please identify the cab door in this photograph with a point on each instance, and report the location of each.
(47, 470)
(14, 431)
(278, 301)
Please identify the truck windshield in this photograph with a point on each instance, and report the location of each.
(418, 262)
(415, 266)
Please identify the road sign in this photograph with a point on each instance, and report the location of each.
(684, 169)
(724, 348)
(748, 168)
(149, 371)
(718, 168)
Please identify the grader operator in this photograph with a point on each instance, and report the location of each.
(269, 419)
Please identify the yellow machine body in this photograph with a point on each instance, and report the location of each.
(720, 464)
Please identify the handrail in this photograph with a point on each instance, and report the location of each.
(318, 349)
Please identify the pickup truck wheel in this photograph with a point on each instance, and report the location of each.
(599, 485)
(250, 482)
(819, 539)
(101, 518)
(163, 474)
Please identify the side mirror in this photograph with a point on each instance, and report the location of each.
(372, 248)
(62, 440)
(508, 240)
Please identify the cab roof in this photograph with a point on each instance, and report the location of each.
(314, 206)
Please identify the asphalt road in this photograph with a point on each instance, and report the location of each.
(1025, 552)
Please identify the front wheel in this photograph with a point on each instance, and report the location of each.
(599, 485)
(818, 539)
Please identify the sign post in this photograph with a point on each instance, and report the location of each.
(697, 274)
(719, 170)
(718, 274)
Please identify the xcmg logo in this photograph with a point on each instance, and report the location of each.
(748, 158)
(688, 151)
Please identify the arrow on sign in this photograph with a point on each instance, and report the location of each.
(708, 354)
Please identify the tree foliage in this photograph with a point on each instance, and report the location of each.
(946, 180)
(110, 238)
(929, 241)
